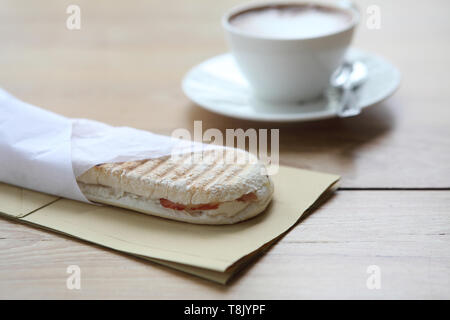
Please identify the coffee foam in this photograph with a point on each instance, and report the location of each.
(291, 21)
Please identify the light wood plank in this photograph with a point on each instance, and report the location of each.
(407, 235)
(124, 68)
(125, 65)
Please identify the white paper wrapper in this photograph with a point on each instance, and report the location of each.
(44, 151)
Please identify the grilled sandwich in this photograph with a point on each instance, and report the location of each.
(215, 189)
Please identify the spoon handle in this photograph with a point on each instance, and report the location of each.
(349, 103)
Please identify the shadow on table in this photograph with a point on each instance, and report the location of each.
(326, 145)
(239, 275)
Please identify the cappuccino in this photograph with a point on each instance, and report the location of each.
(291, 21)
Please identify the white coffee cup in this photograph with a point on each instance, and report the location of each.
(289, 68)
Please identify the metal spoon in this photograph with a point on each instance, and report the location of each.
(347, 78)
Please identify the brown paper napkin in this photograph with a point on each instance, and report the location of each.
(211, 252)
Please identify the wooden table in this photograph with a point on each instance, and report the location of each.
(124, 67)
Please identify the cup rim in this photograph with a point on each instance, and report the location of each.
(348, 6)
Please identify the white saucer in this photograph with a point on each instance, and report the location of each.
(218, 86)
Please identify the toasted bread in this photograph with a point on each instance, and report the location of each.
(213, 188)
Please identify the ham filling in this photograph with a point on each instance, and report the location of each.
(207, 206)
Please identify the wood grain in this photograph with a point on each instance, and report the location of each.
(407, 235)
(124, 67)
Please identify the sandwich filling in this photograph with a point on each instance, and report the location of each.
(207, 206)
(96, 192)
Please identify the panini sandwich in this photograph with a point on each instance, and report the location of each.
(208, 190)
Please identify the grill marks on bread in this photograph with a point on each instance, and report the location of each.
(185, 179)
